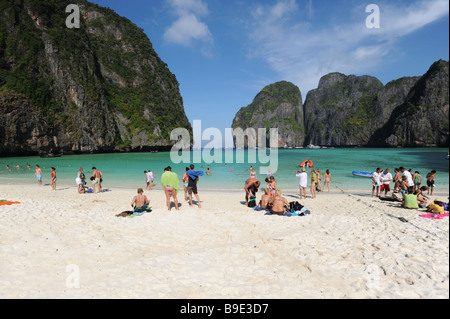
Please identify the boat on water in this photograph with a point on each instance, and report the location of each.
(362, 174)
(312, 147)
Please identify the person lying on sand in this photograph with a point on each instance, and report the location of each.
(278, 204)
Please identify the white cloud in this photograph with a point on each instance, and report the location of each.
(188, 27)
(302, 53)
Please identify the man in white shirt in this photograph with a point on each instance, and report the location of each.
(303, 181)
(409, 179)
(386, 178)
(376, 179)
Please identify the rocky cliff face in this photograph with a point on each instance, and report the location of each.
(360, 111)
(98, 88)
(347, 110)
(280, 106)
(423, 118)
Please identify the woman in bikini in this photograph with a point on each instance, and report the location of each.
(140, 200)
(185, 179)
(327, 180)
(53, 179)
(278, 204)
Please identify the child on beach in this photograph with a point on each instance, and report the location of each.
(327, 180)
(53, 179)
(38, 175)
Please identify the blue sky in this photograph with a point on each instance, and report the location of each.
(224, 53)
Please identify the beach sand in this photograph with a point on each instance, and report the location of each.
(64, 245)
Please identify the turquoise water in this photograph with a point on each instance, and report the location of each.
(127, 170)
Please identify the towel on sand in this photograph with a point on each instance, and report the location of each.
(2, 203)
(170, 179)
(434, 216)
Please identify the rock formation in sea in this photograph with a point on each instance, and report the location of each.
(349, 111)
(279, 105)
(97, 88)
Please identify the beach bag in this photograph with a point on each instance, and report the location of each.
(295, 206)
(252, 202)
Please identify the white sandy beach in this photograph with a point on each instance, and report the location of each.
(64, 245)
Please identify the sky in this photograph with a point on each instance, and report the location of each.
(224, 53)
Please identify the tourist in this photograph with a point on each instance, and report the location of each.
(410, 200)
(421, 198)
(408, 175)
(327, 181)
(171, 185)
(303, 181)
(417, 178)
(150, 179)
(53, 179)
(97, 178)
(376, 182)
(313, 183)
(430, 182)
(265, 198)
(397, 179)
(80, 180)
(194, 177)
(272, 184)
(251, 188)
(38, 175)
(252, 172)
(404, 185)
(208, 171)
(185, 179)
(140, 202)
(319, 180)
(278, 204)
(386, 178)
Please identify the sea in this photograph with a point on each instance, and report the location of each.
(126, 170)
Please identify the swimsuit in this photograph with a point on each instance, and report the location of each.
(39, 178)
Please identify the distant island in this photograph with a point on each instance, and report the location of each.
(99, 88)
(355, 111)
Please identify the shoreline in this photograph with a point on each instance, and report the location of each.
(349, 247)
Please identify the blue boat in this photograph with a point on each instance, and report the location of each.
(363, 174)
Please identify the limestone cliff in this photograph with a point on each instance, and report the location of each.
(280, 106)
(423, 118)
(349, 111)
(99, 88)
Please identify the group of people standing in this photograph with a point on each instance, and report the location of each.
(316, 182)
(407, 182)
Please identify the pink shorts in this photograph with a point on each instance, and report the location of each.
(169, 188)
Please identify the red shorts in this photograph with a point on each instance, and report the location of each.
(386, 187)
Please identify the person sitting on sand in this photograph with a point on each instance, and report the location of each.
(421, 198)
(251, 188)
(265, 198)
(404, 185)
(410, 200)
(278, 204)
(140, 202)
